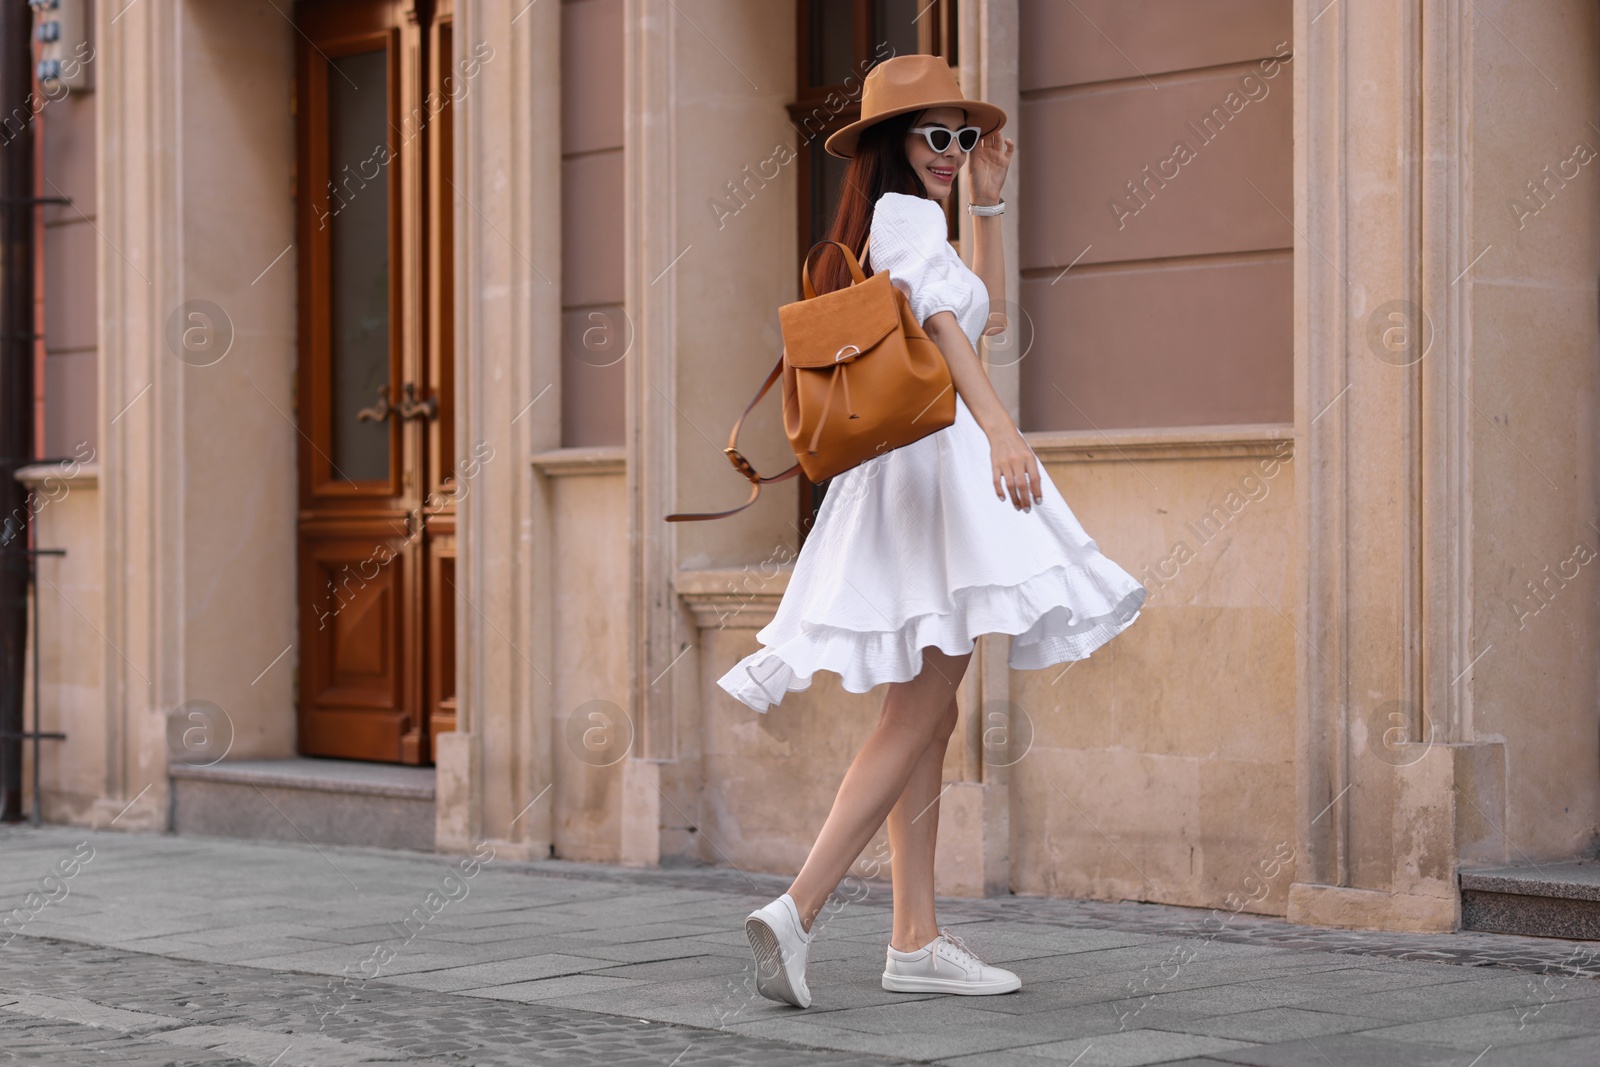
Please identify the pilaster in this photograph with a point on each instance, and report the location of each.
(496, 770)
(1381, 127)
(137, 264)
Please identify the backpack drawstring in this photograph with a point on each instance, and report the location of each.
(827, 405)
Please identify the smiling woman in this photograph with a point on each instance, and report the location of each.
(910, 560)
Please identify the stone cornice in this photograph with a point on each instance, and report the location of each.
(743, 598)
(87, 475)
(1183, 442)
(601, 459)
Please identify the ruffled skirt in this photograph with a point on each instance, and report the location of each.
(912, 549)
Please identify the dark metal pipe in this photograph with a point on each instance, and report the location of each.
(16, 390)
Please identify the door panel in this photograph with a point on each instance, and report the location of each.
(375, 323)
(445, 482)
(354, 689)
(442, 634)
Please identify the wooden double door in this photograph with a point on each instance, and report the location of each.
(374, 83)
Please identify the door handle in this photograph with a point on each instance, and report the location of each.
(412, 408)
(379, 411)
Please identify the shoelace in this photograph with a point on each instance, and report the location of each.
(954, 941)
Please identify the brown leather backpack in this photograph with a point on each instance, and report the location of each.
(860, 377)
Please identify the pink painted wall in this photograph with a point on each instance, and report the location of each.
(594, 329)
(1177, 306)
(71, 337)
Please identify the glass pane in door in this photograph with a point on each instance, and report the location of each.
(896, 24)
(832, 41)
(358, 217)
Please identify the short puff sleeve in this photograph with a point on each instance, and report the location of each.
(908, 241)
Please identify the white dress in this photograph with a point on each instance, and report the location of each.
(912, 548)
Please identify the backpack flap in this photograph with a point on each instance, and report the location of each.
(837, 327)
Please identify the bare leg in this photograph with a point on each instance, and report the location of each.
(913, 833)
(912, 713)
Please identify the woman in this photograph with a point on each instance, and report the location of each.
(910, 559)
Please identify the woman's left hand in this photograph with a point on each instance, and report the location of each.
(987, 167)
(1015, 469)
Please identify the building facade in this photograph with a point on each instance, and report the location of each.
(377, 402)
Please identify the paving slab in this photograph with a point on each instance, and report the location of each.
(1266, 1025)
(189, 950)
(500, 973)
(1460, 998)
(150, 1011)
(566, 985)
(1343, 1050)
(1128, 1048)
(1575, 1050)
(1473, 1033)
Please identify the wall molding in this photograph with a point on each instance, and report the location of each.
(1446, 684)
(650, 196)
(87, 476)
(731, 598)
(565, 462)
(1174, 443)
(508, 354)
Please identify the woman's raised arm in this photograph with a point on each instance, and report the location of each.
(986, 171)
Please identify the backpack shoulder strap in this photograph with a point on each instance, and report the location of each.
(741, 464)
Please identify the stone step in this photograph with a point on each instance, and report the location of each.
(331, 801)
(1543, 900)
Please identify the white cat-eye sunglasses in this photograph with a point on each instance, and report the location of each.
(939, 137)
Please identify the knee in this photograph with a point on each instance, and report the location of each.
(946, 724)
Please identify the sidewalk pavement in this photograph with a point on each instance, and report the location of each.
(154, 949)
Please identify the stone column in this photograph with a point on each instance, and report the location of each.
(650, 188)
(1387, 766)
(137, 210)
(494, 771)
(974, 813)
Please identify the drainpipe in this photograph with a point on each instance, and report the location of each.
(16, 382)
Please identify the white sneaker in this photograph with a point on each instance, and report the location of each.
(780, 945)
(945, 965)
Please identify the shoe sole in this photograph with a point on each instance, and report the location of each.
(772, 977)
(902, 984)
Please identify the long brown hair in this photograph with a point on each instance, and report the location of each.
(879, 166)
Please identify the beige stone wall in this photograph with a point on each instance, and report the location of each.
(589, 725)
(1535, 389)
(184, 552)
(67, 516)
(727, 122)
(1162, 767)
(234, 433)
(769, 779)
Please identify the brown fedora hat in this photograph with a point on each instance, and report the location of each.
(910, 83)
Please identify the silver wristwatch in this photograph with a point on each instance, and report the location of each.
(981, 209)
